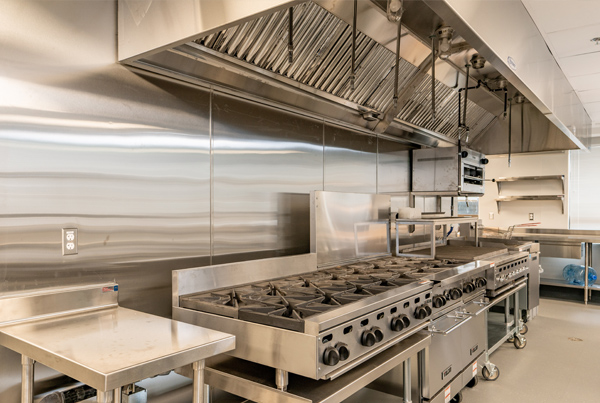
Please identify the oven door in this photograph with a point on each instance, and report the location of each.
(444, 359)
(473, 341)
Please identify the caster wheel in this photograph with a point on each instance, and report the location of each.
(524, 329)
(473, 382)
(457, 398)
(490, 377)
(510, 340)
(520, 344)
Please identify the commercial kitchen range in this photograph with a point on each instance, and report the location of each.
(323, 325)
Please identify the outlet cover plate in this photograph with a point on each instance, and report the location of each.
(69, 241)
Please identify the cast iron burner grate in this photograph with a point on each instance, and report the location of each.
(287, 302)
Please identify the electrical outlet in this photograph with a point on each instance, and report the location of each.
(491, 216)
(530, 216)
(69, 241)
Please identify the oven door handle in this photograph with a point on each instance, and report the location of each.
(477, 313)
(452, 328)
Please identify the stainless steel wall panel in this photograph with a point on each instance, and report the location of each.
(350, 161)
(393, 167)
(86, 143)
(136, 188)
(266, 161)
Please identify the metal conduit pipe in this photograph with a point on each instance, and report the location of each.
(433, 38)
(466, 94)
(353, 73)
(509, 130)
(396, 70)
(291, 35)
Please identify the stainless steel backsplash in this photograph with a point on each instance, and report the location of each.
(156, 175)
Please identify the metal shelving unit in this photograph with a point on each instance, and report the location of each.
(560, 198)
(562, 283)
(560, 178)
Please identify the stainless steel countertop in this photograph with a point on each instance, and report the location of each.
(112, 347)
(576, 238)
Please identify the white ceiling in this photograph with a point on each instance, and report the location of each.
(568, 27)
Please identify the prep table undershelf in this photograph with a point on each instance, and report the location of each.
(257, 382)
(111, 347)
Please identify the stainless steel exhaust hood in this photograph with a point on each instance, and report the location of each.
(506, 35)
(244, 46)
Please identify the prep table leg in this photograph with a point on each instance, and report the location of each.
(117, 395)
(27, 371)
(281, 379)
(407, 381)
(104, 397)
(207, 394)
(198, 368)
(587, 251)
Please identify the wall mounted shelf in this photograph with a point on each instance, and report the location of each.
(560, 178)
(560, 198)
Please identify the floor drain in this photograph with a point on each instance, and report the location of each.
(575, 339)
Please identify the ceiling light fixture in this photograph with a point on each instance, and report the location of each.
(596, 40)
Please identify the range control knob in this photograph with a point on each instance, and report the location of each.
(484, 161)
(468, 287)
(378, 334)
(368, 338)
(480, 282)
(331, 356)
(343, 351)
(427, 309)
(438, 301)
(455, 293)
(464, 154)
(405, 320)
(420, 313)
(397, 324)
(400, 322)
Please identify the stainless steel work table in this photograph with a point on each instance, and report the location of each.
(109, 347)
(552, 235)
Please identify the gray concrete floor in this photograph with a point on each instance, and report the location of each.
(561, 362)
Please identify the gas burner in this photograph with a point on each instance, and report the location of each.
(339, 272)
(361, 267)
(316, 276)
(379, 263)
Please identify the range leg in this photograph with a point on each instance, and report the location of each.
(489, 371)
(281, 379)
(407, 381)
(198, 367)
(507, 313)
(207, 394)
(520, 340)
(421, 368)
(27, 376)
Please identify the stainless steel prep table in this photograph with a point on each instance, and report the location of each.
(553, 236)
(107, 346)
